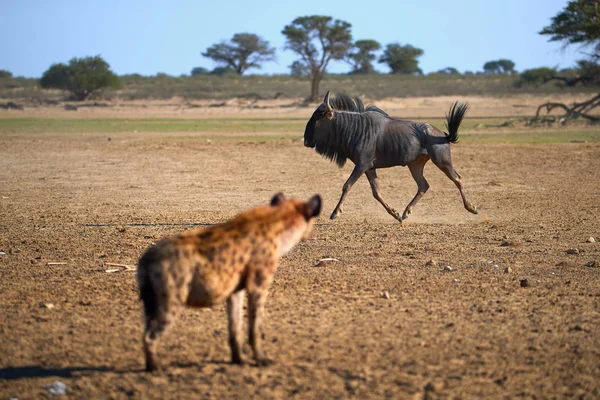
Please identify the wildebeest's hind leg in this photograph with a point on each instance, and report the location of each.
(416, 170)
(356, 173)
(372, 177)
(446, 166)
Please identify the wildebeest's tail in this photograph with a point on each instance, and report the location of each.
(453, 120)
(147, 293)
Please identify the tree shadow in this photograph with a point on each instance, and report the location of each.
(37, 371)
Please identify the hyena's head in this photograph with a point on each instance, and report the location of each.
(298, 217)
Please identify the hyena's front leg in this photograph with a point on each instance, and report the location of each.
(235, 306)
(256, 305)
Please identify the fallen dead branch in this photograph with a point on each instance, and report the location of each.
(122, 267)
(323, 261)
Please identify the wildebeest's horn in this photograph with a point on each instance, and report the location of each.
(326, 100)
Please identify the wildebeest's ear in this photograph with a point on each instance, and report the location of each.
(326, 102)
(312, 207)
(277, 199)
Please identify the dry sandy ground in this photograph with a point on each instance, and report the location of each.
(472, 332)
(411, 107)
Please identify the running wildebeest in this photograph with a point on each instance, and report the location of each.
(342, 128)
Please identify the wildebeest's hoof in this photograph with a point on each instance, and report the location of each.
(264, 362)
(237, 361)
(154, 368)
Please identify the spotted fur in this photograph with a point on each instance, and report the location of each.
(205, 267)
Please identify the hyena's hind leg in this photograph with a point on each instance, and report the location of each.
(235, 316)
(160, 314)
(156, 325)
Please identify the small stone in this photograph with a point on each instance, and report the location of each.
(435, 386)
(431, 263)
(593, 264)
(385, 295)
(524, 283)
(448, 268)
(49, 306)
(572, 251)
(508, 270)
(2, 253)
(564, 263)
(57, 388)
(591, 240)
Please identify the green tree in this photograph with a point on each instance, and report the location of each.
(502, 66)
(199, 71)
(317, 40)
(361, 56)
(83, 77)
(579, 24)
(537, 75)
(402, 59)
(298, 69)
(448, 71)
(243, 52)
(5, 74)
(220, 71)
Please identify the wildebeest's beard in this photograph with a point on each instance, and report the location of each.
(330, 143)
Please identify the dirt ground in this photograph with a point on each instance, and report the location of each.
(459, 322)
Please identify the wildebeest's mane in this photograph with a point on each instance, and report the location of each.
(343, 102)
(350, 129)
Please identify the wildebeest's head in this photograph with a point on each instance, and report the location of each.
(317, 125)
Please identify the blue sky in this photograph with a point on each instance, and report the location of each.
(150, 36)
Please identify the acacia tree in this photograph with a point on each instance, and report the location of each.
(298, 69)
(448, 71)
(244, 51)
(83, 77)
(402, 59)
(501, 66)
(361, 56)
(579, 24)
(317, 40)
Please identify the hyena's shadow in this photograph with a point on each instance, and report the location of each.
(37, 371)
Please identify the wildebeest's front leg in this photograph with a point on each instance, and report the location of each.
(372, 177)
(235, 306)
(356, 173)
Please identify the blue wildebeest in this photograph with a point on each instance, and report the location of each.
(342, 128)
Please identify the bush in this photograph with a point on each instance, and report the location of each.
(5, 74)
(537, 75)
(83, 77)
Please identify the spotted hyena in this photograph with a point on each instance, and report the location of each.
(204, 267)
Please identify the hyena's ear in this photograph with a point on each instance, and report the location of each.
(277, 199)
(312, 208)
